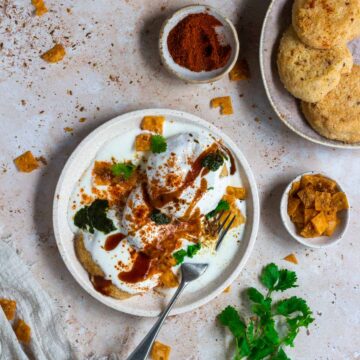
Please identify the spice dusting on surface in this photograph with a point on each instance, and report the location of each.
(194, 43)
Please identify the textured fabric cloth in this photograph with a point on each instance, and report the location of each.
(34, 306)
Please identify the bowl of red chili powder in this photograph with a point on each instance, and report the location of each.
(198, 44)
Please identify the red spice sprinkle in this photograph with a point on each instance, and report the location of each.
(193, 43)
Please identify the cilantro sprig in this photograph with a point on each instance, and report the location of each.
(191, 251)
(223, 205)
(158, 144)
(94, 217)
(274, 325)
(213, 160)
(125, 169)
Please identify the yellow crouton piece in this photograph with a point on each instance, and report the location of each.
(240, 71)
(55, 54)
(160, 351)
(40, 8)
(234, 210)
(309, 231)
(224, 103)
(227, 290)
(9, 308)
(143, 142)
(23, 331)
(322, 201)
(153, 123)
(291, 258)
(339, 201)
(26, 162)
(293, 205)
(238, 192)
(320, 223)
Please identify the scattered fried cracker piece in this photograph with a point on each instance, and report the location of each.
(23, 331)
(320, 223)
(227, 290)
(143, 142)
(9, 308)
(169, 279)
(160, 351)
(240, 71)
(153, 123)
(40, 7)
(291, 258)
(238, 192)
(55, 54)
(224, 103)
(339, 201)
(26, 162)
(68, 129)
(234, 210)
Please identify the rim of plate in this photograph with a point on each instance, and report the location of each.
(163, 47)
(262, 53)
(119, 304)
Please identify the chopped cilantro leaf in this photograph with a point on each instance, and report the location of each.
(124, 170)
(159, 218)
(93, 217)
(210, 188)
(230, 317)
(179, 256)
(278, 280)
(223, 205)
(158, 144)
(213, 161)
(193, 249)
(190, 252)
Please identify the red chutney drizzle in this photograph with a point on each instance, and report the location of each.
(113, 241)
(139, 271)
(101, 284)
(194, 172)
(232, 160)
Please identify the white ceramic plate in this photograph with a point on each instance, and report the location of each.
(151, 304)
(277, 19)
(228, 32)
(321, 241)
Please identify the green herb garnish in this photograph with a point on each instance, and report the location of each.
(210, 188)
(223, 205)
(190, 252)
(179, 256)
(213, 160)
(158, 144)
(159, 218)
(124, 170)
(274, 325)
(94, 217)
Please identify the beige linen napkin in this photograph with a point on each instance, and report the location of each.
(34, 306)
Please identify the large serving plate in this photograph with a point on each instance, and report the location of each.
(151, 304)
(277, 19)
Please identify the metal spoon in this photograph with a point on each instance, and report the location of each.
(189, 272)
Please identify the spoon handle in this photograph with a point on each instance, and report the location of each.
(142, 350)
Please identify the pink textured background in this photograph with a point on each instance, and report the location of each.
(112, 66)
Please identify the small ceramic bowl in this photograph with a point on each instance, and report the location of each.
(321, 241)
(228, 32)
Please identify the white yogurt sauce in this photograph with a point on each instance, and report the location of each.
(121, 148)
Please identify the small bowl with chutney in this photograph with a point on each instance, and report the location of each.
(198, 44)
(315, 210)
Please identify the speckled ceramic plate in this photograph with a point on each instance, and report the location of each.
(277, 19)
(150, 304)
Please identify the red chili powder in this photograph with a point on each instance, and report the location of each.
(193, 43)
